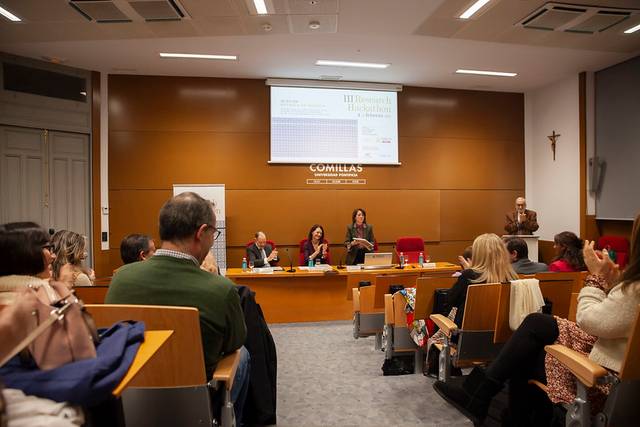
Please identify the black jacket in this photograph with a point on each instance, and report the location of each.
(260, 407)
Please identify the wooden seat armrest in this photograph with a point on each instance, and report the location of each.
(585, 370)
(388, 309)
(226, 369)
(447, 326)
(356, 299)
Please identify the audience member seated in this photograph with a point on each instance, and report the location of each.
(464, 260)
(26, 259)
(489, 264)
(70, 250)
(173, 277)
(261, 253)
(607, 306)
(519, 253)
(359, 229)
(136, 247)
(568, 249)
(316, 247)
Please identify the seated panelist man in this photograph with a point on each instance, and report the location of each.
(173, 277)
(521, 220)
(261, 253)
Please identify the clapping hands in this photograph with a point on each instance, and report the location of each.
(600, 265)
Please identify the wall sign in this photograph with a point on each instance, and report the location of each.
(336, 174)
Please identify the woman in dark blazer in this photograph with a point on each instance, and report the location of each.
(316, 247)
(358, 229)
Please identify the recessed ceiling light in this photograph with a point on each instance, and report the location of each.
(632, 29)
(487, 73)
(10, 16)
(473, 9)
(199, 56)
(350, 64)
(261, 7)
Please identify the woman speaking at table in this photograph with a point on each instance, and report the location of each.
(359, 238)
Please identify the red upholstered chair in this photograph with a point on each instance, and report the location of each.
(410, 247)
(619, 244)
(303, 242)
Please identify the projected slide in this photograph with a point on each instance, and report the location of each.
(311, 125)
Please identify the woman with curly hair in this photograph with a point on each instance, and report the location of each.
(70, 250)
(568, 249)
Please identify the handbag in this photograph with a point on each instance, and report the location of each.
(51, 323)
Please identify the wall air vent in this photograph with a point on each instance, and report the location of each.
(158, 10)
(99, 10)
(575, 18)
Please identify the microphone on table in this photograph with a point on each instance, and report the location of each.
(290, 270)
(340, 266)
(400, 266)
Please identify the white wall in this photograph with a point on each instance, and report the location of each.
(552, 187)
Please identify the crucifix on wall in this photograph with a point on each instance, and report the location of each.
(553, 137)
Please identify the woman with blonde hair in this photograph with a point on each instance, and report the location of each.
(490, 264)
(607, 308)
(70, 250)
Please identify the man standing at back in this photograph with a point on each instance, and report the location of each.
(173, 277)
(522, 220)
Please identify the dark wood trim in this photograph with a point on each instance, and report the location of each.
(582, 100)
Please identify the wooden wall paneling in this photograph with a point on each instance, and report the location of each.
(451, 113)
(168, 130)
(468, 213)
(189, 104)
(286, 216)
(135, 212)
(240, 161)
(615, 228)
(454, 163)
(546, 253)
(159, 159)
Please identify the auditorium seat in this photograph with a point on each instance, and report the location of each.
(621, 407)
(619, 244)
(172, 388)
(476, 335)
(398, 338)
(411, 247)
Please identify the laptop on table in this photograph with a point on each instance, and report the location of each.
(377, 261)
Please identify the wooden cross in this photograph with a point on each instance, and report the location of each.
(553, 137)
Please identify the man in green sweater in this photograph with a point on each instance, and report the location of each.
(173, 277)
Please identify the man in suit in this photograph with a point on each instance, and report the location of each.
(261, 253)
(519, 253)
(522, 220)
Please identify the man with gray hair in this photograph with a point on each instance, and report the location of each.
(173, 277)
(521, 220)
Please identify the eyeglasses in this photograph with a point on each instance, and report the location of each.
(216, 233)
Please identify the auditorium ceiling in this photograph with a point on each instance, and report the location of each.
(424, 41)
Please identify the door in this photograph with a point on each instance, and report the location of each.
(46, 179)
